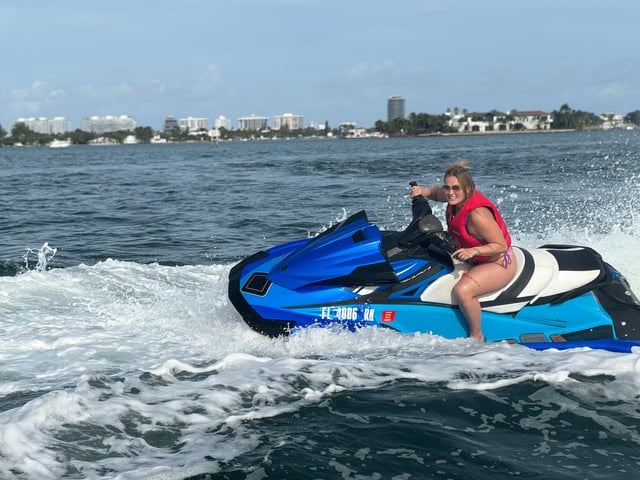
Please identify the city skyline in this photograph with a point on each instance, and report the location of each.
(395, 109)
(59, 124)
(329, 61)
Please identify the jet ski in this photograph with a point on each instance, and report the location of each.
(356, 275)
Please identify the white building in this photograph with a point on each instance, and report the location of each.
(496, 121)
(288, 120)
(318, 126)
(611, 120)
(191, 124)
(252, 123)
(223, 122)
(59, 125)
(108, 123)
(532, 120)
(44, 125)
(39, 125)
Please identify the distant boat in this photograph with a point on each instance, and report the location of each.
(158, 139)
(102, 141)
(60, 143)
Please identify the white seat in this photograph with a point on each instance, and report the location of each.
(544, 269)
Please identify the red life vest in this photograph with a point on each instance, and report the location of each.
(457, 224)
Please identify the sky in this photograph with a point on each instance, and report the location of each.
(329, 60)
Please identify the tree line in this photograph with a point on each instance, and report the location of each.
(423, 123)
(21, 134)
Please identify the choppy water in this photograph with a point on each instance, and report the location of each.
(121, 357)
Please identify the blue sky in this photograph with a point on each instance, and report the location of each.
(329, 60)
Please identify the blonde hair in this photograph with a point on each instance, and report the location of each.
(460, 169)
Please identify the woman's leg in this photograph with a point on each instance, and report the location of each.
(481, 279)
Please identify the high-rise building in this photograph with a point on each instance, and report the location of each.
(59, 125)
(288, 120)
(108, 123)
(170, 124)
(39, 125)
(191, 124)
(395, 108)
(44, 125)
(252, 123)
(223, 122)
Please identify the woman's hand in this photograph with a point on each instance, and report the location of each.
(465, 254)
(416, 191)
(432, 193)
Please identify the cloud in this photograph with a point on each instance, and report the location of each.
(57, 92)
(612, 89)
(207, 82)
(107, 91)
(30, 99)
(35, 90)
(124, 88)
(367, 70)
(158, 85)
(89, 90)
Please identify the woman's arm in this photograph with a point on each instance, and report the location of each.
(432, 193)
(481, 224)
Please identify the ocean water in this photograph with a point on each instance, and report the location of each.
(122, 358)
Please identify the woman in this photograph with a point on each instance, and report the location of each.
(477, 225)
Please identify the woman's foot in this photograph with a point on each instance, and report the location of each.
(477, 336)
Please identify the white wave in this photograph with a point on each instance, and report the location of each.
(179, 413)
(148, 365)
(44, 255)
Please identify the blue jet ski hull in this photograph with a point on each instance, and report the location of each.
(355, 275)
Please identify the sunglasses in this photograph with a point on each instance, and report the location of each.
(455, 188)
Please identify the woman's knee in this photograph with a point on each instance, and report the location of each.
(463, 291)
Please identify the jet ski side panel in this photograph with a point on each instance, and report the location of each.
(543, 322)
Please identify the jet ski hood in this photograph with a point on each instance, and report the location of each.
(347, 254)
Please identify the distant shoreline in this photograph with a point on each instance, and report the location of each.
(503, 132)
(420, 135)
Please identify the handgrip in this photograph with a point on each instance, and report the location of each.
(419, 205)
